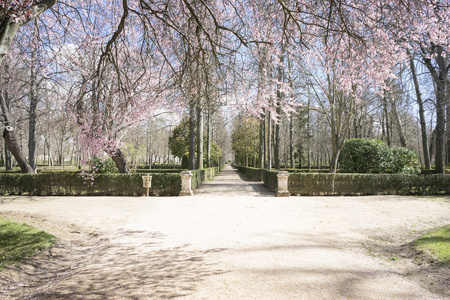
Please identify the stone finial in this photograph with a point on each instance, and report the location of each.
(283, 190)
(186, 177)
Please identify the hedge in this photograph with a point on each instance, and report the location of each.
(270, 179)
(65, 184)
(315, 184)
(254, 174)
(368, 184)
(200, 176)
(174, 171)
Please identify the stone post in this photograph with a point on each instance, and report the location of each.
(283, 190)
(186, 184)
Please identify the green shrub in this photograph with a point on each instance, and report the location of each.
(404, 161)
(375, 156)
(365, 156)
(185, 161)
(102, 165)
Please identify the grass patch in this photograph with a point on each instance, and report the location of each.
(19, 241)
(436, 243)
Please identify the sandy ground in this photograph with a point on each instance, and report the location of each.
(232, 240)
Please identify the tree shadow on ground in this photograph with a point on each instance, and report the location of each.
(416, 264)
(108, 269)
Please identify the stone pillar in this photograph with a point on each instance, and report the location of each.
(283, 190)
(186, 184)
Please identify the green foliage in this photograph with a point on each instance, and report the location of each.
(404, 161)
(179, 146)
(244, 140)
(60, 184)
(216, 154)
(375, 156)
(102, 165)
(315, 184)
(436, 244)
(199, 176)
(185, 161)
(174, 171)
(179, 140)
(19, 241)
(254, 174)
(270, 179)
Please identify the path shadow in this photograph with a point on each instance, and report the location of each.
(115, 269)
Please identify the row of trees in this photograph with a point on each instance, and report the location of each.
(115, 64)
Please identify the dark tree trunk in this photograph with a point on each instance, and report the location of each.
(440, 79)
(386, 121)
(119, 158)
(262, 139)
(291, 141)
(277, 144)
(13, 146)
(398, 123)
(447, 130)
(191, 164)
(208, 141)
(10, 138)
(199, 136)
(8, 164)
(269, 142)
(423, 125)
(32, 113)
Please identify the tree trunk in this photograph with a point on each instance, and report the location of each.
(440, 79)
(191, 164)
(269, 142)
(277, 145)
(13, 146)
(119, 158)
(386, 120)
(423, 125)
(262, 139)
(447, 130)
(291, 141)
(199, 136)
(32, 112)
(398, 123)
(208, 141)
(10, 138)
(8, 164)
(440, 127)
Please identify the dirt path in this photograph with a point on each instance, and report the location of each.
(232, 240)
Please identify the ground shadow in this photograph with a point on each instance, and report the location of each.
(110, 269)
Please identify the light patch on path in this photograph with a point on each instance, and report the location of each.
(235, 240)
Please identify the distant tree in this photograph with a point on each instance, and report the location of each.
(179, 139)
(245, 141)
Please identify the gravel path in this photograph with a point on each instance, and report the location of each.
(232, 240)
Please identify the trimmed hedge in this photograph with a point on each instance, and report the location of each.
(162, 167)
(174, 171)
(368, 184)
(65, 184)
(254, 174)
(315, 184)
(200, 176)
(270, 179)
